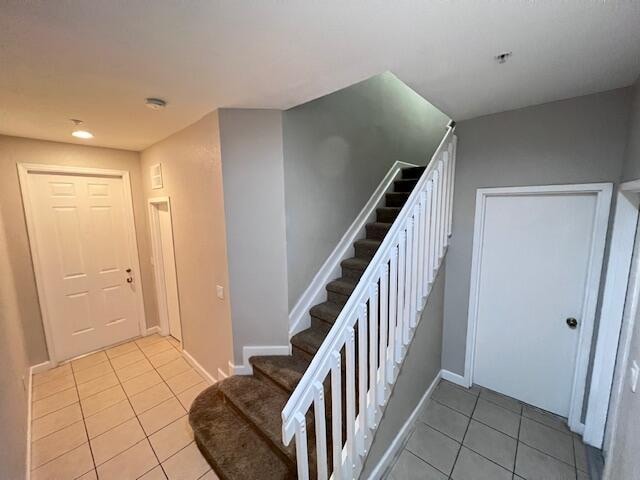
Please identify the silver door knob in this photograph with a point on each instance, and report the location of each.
(572, 322)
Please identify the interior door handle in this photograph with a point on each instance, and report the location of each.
(572, 322)
(129, 278)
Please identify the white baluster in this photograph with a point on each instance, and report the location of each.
(351, 402)
(384, 324)
(321, 429)
(421, 249)
(454, 147)
(402, 248)
(408, 304)
(439, 214)
(445, 193)
(433, 227)
(302, 456)
(336, 414)
(427, 240)
(373, 355)
(414, 269)
(393, 320)
(363, 432)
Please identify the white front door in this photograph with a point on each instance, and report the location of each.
(533, 266)
(84, 258)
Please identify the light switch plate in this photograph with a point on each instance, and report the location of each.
(634, 376)
(220, 291)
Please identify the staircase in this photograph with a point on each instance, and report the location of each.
(240, 422)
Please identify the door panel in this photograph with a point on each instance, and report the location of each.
(83, 248)
(534, 263)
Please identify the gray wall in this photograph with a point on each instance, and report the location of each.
(623, 458)
(336, 151)
(579, 140)
(420, 367)
(253, 177)
(13, 359)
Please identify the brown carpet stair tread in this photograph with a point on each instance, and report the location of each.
(309, 340)
(284, 370)
(224, 437)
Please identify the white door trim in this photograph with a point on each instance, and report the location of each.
(24, 169)
(158, 262)
(603, 201)
(617, 279)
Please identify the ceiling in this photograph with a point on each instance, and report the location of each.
(98, 60)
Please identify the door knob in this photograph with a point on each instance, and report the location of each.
(572, 322)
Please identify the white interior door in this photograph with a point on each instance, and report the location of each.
(83, 254)
(165, 267)
(534, 262)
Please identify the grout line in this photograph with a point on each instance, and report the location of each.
(464, 436)
(93, 460)
(515, 458)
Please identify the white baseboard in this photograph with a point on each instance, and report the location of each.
(394, 450)
(255, 351)
(199, 368)
(40, 367)
(454, 378)
(222, 374)
(299, 318)
(152, 330)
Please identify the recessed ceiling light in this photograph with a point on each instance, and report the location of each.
(82, 134)
(155, 103)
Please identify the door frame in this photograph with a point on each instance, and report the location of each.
(24, 169)
(603, 201)
(158, 259)
(613, 341)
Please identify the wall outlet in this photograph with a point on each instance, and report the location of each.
(634, 376)
(220, 291)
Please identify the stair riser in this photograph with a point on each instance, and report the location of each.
(298, 352)
(264, 377)
(350, 273)
(376, 232)
(404, 185)
(338, 298)
(396, 199)
(365, 251)
(321, 324)
(386, 216)
(412, 173)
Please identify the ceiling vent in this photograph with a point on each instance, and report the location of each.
(156, 176)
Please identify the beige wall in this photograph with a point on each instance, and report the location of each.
(192, 174)
(14, 368)
(14, 150)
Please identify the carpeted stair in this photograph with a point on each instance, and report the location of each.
(237, 422)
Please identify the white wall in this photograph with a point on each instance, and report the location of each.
(337, 149)
(253, 176)
(579, 140)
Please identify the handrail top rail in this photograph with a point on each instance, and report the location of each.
(302, 396)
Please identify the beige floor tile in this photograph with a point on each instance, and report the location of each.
(130, 464)
(433, 447)
(497, 417)
(141, 383)
(127, 359)
(132, 371)
(91, 475)
(114, 352)
(172, 438)
(184, 380)
(70, 465)
(95, 403)
(491, 444)
(116, 440)
(58, 443)
(445, 420)
(155, 474)
(55, 386)
(455, 398)
(156, 348)
(161, 415)
(54, 402)
(501, 400)
(52, 374)
(55, 421)
(471, 466)
(150, 398)
(88, 361)
(164, 357)
(173, 368)
(547, 440)
(175, 342)
(188, 396)
(187, 464)
(581, 454)
(149, 339)
(546, 418)
(109, 418)
(97, 385)
(410, 467)
(211, 475)
(91, 373)
(534, 465)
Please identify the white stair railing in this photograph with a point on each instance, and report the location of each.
(383, 312)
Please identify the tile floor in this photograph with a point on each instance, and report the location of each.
(118, 414)
(477, 434)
